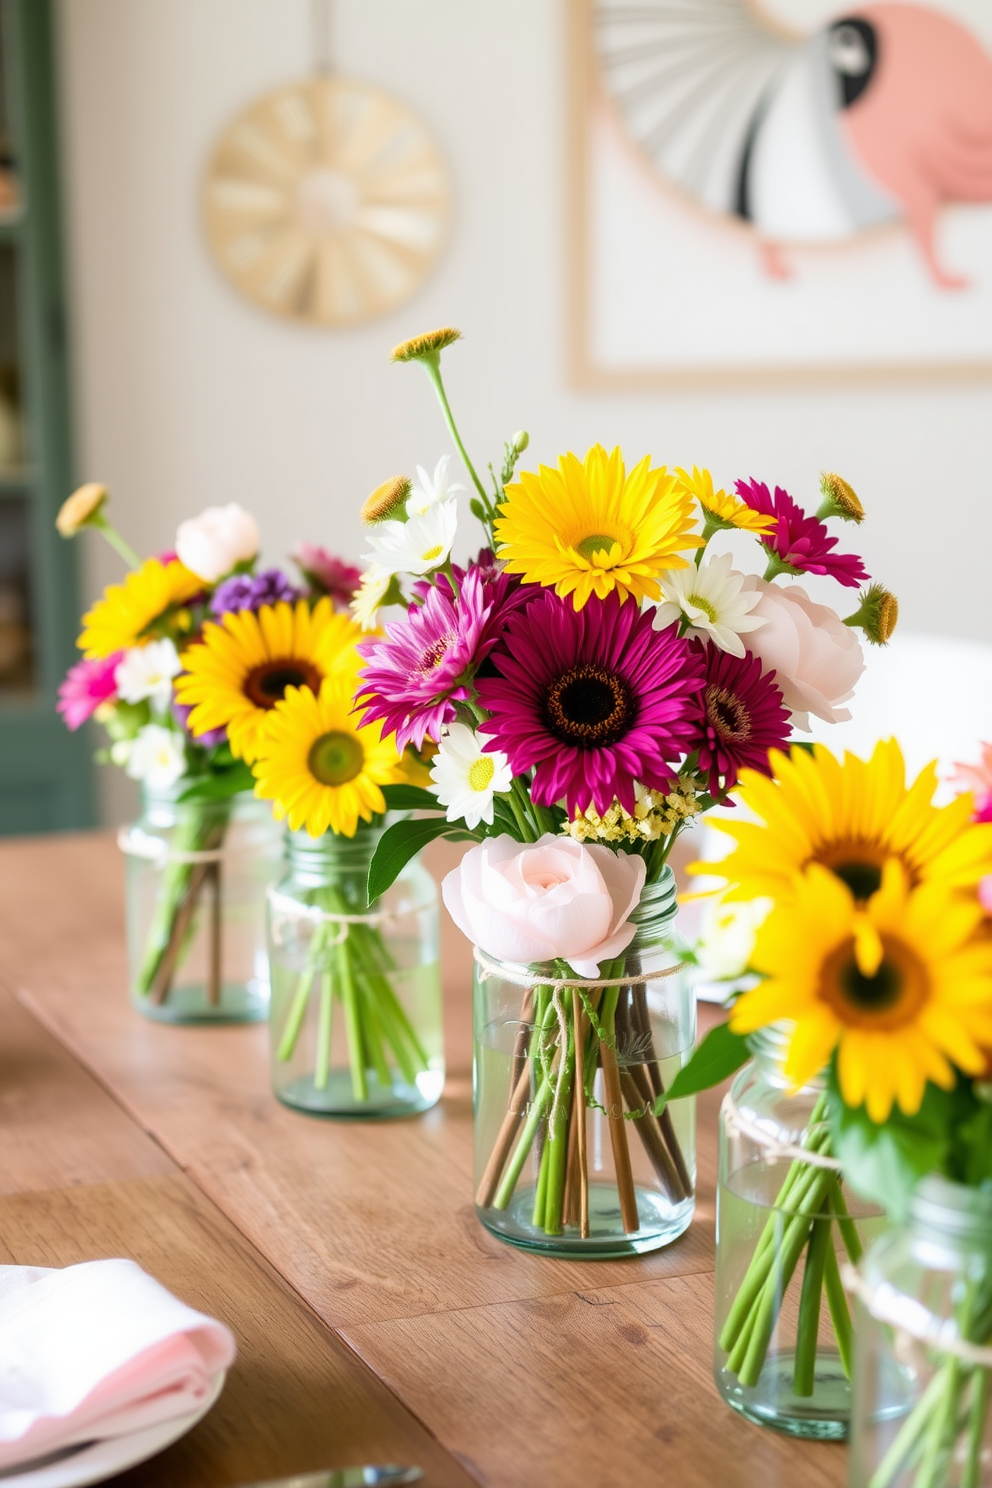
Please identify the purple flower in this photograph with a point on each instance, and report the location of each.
(799, 541)
(327, 574)
(592, 700)
(181, 712)
(742, 717)
(412, 680)
(252, 591)
(86, 686)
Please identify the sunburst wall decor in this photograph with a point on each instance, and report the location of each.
(326, 201)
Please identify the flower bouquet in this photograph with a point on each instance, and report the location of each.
(874, 992)
(592, 682)
(201, 855)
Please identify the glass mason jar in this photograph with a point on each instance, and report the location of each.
(197, 872)
(583, 1166)
(784, 1215)
(355, 1024)
(924, 1350)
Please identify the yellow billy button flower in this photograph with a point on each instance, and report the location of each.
(387, 500)
(590, 528)
(900, 987)
(839, 499)
(81, 508)
(316, 764)
(721, 510)
(848, 816)
(427, 347)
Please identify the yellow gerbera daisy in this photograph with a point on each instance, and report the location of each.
(589, 528)
(323, 770)
(720, 508)
(127, 613)
(900, 986)
(243, 666)
(849, 816)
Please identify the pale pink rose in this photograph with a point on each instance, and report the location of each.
(546, 900)
(816, 658)
(212, 543)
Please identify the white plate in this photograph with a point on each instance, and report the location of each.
(105, 1458)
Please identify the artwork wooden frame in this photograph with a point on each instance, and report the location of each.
(588, 102)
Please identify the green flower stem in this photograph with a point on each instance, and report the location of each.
(520, 817)
(972, 1473)
(324, 1022)
(556, 1149)
(298, 1007)
(846, 1225)
(353, 1025)
(122, 548)
(199, 829)
(804, 1371)
(433, 370)
(840, 1313)
(535, 1117)
(905, 1446)
(539, 1214)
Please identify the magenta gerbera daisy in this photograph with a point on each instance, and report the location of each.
(412, 679)
(86, 686)
(592, 700)
(742, 717)
(798, 542)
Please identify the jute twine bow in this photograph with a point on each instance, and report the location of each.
(912, 1320)
(741, 1125)
(489, 968)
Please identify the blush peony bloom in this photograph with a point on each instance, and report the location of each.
(212, 543)
(86, 686)
(592, 700)
(548, 900)
(800, 542)
(412, 680)
(742, 718)
(816, 658)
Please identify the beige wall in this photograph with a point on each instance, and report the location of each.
(187, 396)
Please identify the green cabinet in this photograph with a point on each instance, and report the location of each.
(45, 772)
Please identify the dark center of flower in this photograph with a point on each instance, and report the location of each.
(335, 758)
(727, 715)
(435, 653)
(589, 707)
(266, 684)
(889, 999)
(858, 864)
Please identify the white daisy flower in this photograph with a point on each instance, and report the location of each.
(427, 492)
(417, 546)
(147, 672)
(466, 776)
(157, 756)
(711, 597)
(371, 592)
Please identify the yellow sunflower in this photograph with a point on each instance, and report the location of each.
(721, 509)
(323, 770)
(127, 612)
(589, 528)
(900, 986)
(243, 666)
(849, 816)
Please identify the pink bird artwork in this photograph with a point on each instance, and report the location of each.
(884, 115)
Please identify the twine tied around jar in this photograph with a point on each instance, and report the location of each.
(489, 968)
(740, 1125)
(293, 909)
(135, 843)
(914, 1321)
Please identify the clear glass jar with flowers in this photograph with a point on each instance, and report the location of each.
(593, 681)
(872, 983)
(201, 854)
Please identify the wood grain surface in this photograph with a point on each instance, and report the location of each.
(530, 1371)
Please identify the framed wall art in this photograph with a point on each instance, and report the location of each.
(782, 190)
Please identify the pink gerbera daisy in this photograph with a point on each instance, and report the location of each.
(86, 686)
(742, 717)
(412, 680)
(592, 700)
(800, 543)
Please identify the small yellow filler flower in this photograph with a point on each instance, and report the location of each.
(721, 509)
(590, 528)
(900, 986)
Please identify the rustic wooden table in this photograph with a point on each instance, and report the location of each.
(376, 1320)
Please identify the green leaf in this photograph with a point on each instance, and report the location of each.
(885, 1163)
(397, 846)
(720, 1054)
(409, 798)
(218, 785)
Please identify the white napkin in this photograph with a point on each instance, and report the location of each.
(97, 1350)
